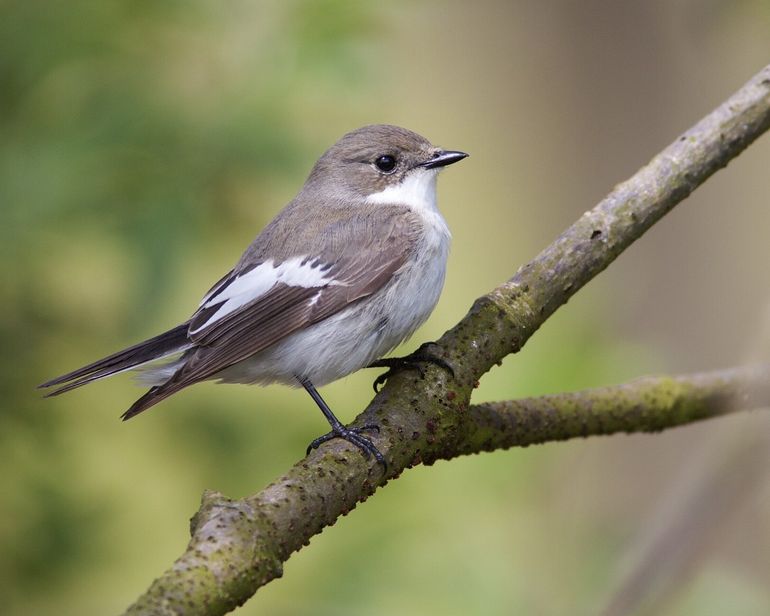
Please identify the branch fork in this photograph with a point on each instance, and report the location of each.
(239, 545)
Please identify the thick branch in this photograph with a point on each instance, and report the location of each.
(502, 321)
(238, 546)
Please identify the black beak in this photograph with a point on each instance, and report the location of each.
(442, 158)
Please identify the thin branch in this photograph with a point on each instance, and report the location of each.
(237, 546)
(648, 404)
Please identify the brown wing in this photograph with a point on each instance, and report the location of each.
(358, 259)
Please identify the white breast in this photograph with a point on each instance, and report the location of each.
(367, 330)
(414, 293)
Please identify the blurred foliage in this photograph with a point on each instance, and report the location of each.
(143, 128)
(131, 134)
(143, 144)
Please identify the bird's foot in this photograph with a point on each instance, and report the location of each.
(409, 362)
(354, 436)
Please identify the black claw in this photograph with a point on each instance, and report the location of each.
(353, 436)
(409, 362)
(339, 430)
(380, 380)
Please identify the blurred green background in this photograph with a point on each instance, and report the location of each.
(144, 144)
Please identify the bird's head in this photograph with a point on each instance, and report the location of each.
(381, 163)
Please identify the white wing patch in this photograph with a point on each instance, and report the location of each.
(258, 281)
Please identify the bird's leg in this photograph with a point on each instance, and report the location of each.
(409, 362)
(339, 430)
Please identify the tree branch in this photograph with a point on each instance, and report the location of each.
(239, 545)
(648, 404)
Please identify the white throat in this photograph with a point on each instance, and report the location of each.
(417, 190)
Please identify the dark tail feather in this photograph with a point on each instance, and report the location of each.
(154, 348)
(155, 395)
(149, 399)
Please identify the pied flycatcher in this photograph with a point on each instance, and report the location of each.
(347, 270)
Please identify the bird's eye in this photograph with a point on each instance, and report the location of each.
(385, 163)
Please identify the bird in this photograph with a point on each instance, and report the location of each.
(347, 271)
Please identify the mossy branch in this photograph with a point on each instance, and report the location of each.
(239, 545)
(648, 404)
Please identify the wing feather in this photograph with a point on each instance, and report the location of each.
(357, 262)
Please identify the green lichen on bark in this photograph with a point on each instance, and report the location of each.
(239, 545)
(649, 404)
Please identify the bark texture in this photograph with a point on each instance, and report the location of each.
(239, 545)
